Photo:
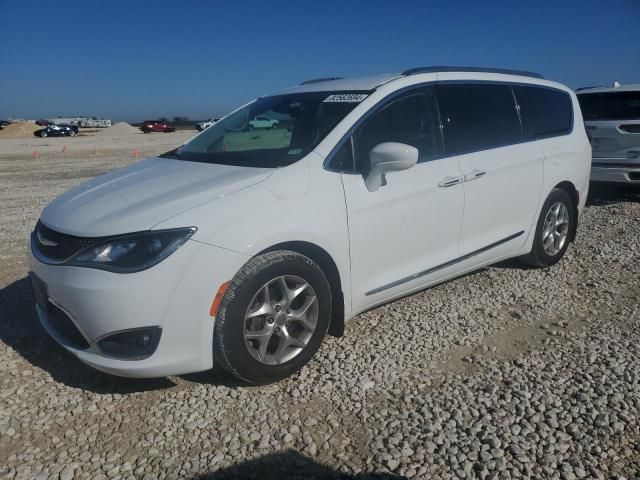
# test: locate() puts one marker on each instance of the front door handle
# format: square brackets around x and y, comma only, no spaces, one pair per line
[474,175]
[449,182]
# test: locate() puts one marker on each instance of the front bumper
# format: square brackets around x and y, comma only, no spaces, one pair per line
[176,295]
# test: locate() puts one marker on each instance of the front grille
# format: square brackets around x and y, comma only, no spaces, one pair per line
[59,246]
[65,327]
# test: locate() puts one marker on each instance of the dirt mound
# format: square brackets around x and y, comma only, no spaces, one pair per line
[19,130]
[120,128]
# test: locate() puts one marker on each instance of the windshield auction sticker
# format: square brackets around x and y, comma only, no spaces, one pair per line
[346,98]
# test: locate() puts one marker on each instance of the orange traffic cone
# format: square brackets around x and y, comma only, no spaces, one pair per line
[136,154]
[35,154]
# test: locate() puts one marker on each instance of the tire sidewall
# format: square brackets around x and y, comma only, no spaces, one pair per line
[556,195]
[229,344]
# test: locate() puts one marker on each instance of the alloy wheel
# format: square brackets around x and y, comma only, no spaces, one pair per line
[556,228]
[280,320]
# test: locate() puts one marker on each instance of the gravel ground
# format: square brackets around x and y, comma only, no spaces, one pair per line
[505,373]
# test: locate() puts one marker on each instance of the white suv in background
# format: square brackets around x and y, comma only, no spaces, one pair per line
[612,120]
[204,125]
[245,250]
[263,122]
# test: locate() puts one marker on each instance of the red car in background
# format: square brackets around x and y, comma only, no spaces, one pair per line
[149,126]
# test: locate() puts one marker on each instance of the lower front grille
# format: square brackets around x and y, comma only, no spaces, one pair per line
[64,326]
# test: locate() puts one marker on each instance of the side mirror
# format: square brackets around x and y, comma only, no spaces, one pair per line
[388,157]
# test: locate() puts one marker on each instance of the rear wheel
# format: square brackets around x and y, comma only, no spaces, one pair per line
[43,134]
[553,230]
[273,317]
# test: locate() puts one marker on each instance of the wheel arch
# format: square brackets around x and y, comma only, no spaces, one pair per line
[571,190]
[330,269]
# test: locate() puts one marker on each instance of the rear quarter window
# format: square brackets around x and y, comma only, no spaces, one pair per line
[545,112]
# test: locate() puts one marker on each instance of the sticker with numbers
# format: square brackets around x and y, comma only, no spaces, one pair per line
[346,98]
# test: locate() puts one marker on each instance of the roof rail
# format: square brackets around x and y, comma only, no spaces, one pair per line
[413,71]
[318,80]
[589,88]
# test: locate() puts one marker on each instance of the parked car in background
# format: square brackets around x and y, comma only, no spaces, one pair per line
[248,256]
[57,131]
[204,125]
[149,126]
[612,120]
[4,123]
[263,122]
[43,122]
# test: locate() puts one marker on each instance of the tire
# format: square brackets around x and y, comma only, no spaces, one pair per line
[274,126]
[43,134]
[251,128]
[72,133]
[239,355]
[541,257]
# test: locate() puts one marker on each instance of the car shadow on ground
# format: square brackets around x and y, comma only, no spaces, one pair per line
[609,193]
[216,377]
[288,465]
[21,330]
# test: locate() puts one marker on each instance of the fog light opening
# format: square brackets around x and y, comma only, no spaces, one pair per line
[135,344]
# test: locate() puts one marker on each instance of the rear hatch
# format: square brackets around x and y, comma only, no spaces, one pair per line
[612,121]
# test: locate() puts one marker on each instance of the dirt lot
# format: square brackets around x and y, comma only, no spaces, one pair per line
[506,373]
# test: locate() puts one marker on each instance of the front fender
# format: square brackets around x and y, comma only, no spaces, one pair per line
[295,204]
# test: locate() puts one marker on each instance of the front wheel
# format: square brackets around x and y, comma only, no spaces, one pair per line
[273,317]
[553,230]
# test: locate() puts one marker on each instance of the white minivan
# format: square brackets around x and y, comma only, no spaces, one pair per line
[244,247]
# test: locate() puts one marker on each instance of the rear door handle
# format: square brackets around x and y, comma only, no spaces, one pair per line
[474,175]
[449,182]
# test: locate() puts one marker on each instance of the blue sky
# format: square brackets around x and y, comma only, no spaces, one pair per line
[142,59]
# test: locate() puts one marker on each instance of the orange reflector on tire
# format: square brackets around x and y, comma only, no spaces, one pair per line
[217,300]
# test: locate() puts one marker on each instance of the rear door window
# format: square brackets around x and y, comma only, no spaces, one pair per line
[477,117]
[545,112]
[610,106]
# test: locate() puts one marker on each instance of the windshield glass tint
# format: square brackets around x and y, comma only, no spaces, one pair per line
[610,106]
[272,131]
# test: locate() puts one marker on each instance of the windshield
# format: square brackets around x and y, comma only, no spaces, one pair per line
[610,106]
[273,131]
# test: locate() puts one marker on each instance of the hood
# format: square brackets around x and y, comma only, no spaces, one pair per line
[143,194]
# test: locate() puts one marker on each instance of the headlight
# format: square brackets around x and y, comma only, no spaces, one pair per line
[132,253]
